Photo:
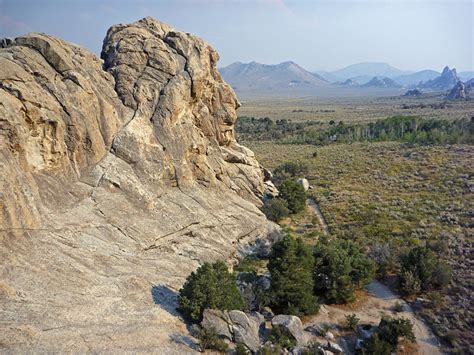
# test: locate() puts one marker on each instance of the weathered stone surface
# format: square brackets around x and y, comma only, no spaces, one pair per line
[217,320]
[116,176]
[245,330]
[292,324]
[236,326]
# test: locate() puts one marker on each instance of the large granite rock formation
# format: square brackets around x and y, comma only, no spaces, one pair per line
[458,92]
[446,81]
[118,178]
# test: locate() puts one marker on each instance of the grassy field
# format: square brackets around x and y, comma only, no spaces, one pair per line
[398,195]
[361,109]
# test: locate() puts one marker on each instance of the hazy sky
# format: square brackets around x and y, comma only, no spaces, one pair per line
[317,34]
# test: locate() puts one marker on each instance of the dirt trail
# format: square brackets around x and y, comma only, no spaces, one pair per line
[380,301]
[314,209]
[427,342]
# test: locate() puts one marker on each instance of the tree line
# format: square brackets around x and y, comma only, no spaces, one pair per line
[408,129]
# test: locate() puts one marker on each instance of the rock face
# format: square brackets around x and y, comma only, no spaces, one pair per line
[118,178]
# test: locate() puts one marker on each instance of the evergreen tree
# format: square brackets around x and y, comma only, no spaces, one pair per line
[340,269]
[290,265]
[294,194]
[211,286]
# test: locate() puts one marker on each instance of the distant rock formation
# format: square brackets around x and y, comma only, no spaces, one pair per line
[413,93]
[348,82]
[446,81]
[118,178]
[458,92]
[378,82]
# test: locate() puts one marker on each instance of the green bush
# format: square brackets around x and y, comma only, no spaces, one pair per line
[423,265]
[290,266]
[281,337]
[410,283]
[241,349]
[391,330]
[385,339]
[340,269]
[352,321]
[208,339]
[376,346]
[294,194]
[288,170]
[269,350]
[276,209]
[210,286]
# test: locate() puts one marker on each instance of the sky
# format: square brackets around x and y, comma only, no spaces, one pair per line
[317,34]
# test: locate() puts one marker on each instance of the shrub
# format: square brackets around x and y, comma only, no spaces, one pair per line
[276,209]
[289,170]
[241,349]
[290,266]
[269,349]
[294,194]
[392,329]
[210,286]
[385,339]
[376,346]
[340,269]
[426,268]
[313,348]
[281,337]
[352,321]
[208,339]
[410,283]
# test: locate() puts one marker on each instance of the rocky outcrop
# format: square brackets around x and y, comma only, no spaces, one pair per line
[458,92]
[118,178]
[446,81]
[381,82]
[413,93]
[235,326]
[292,325]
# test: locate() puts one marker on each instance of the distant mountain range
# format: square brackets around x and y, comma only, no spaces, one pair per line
[257,77]
[364,72]
[290,77]
[416,78]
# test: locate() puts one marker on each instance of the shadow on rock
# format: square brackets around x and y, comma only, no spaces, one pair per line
[184,340]
[166,298]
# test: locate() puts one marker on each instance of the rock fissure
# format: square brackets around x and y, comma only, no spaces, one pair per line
[103,162]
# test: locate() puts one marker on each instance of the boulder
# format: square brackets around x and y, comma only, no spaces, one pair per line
[245,329]
[292,325]
[334,347]
[236,326]
[304,182]
[329,336]
[217,320]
